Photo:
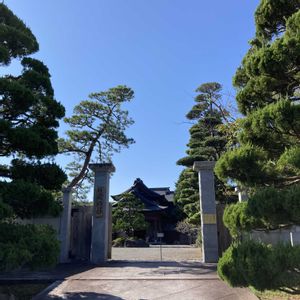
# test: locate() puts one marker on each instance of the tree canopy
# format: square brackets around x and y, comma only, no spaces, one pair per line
[97,131]
[266,159]
[128,215]
[267,85]
[29,118]
[207,142]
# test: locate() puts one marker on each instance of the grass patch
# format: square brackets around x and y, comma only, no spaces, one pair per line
[22,291]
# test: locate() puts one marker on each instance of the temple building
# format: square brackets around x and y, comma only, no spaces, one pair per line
[159,211]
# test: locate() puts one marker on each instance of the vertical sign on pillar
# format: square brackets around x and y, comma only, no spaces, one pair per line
[208,210]
[100,226]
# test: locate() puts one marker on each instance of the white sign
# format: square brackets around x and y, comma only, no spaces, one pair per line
[160,235]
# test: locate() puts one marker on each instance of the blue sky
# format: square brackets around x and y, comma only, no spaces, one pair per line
[162,49]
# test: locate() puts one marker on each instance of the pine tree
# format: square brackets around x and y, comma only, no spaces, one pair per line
[29,116]
[207,142]
[267,85]
[266,160]
[98,130]
[128,215]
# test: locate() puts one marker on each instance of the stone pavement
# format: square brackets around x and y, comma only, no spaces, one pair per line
[169,253]
[146,280]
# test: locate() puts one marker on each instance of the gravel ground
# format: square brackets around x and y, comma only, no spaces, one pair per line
[169,253]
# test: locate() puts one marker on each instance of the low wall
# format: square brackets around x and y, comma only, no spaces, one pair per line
[273,237]
[55,223]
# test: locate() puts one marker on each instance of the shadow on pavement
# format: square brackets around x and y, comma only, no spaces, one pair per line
[60,272]
[165,267]
[157,264]
[82,295]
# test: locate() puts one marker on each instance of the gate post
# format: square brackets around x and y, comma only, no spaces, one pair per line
[65,227]
[207,210]
[100,221]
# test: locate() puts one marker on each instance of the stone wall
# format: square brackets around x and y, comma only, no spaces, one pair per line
[290,236]
[53,222]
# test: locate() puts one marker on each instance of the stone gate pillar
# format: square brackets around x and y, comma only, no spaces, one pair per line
[65,226]
[99,247]
[208,210]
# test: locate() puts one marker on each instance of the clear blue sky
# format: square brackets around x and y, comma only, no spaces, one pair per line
[163,49]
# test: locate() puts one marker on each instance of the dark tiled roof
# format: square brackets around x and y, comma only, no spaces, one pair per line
[152,200]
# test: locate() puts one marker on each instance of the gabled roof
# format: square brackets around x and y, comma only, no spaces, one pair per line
[152,200]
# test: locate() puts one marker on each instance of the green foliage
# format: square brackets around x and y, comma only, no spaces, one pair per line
[289,161]
[267,208]
[29,116]
[266,155]
[262,266]
[97,131]
[48,175]
[128,216]
[33,246]
[187,195]
[16,40]
[28,200]
[244,164]
[237,218]
[268,85]
[207,142]
[271,16]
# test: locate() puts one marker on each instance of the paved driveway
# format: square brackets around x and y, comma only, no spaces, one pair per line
[142,280]
[169,253]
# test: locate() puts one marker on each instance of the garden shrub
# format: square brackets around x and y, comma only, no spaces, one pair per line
[259,265]
[32,246]
[268,208]
[237,218]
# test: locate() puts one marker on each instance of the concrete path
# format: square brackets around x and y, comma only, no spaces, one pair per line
[169,253]
[146,280]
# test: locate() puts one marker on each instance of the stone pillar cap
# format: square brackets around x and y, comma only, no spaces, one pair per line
[105,167]
[203,165]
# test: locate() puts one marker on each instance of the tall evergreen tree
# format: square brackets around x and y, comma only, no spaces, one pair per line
[29,117]
[268,95]
[98,130]
[267,158]
[207,142]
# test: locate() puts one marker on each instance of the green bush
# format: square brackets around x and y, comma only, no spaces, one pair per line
[32,246]
[268,208]
[262,266]
[237,218]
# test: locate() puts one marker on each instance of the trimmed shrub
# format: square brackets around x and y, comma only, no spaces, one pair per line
[262,266]
[32,246]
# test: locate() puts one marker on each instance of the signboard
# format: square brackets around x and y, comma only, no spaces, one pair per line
[99,201]
[160,235]
[209,219]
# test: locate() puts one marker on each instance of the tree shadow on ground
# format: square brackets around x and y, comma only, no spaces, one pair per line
[166,267]
[59,272]
[84,295]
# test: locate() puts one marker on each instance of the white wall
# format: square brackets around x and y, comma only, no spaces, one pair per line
[290,236]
